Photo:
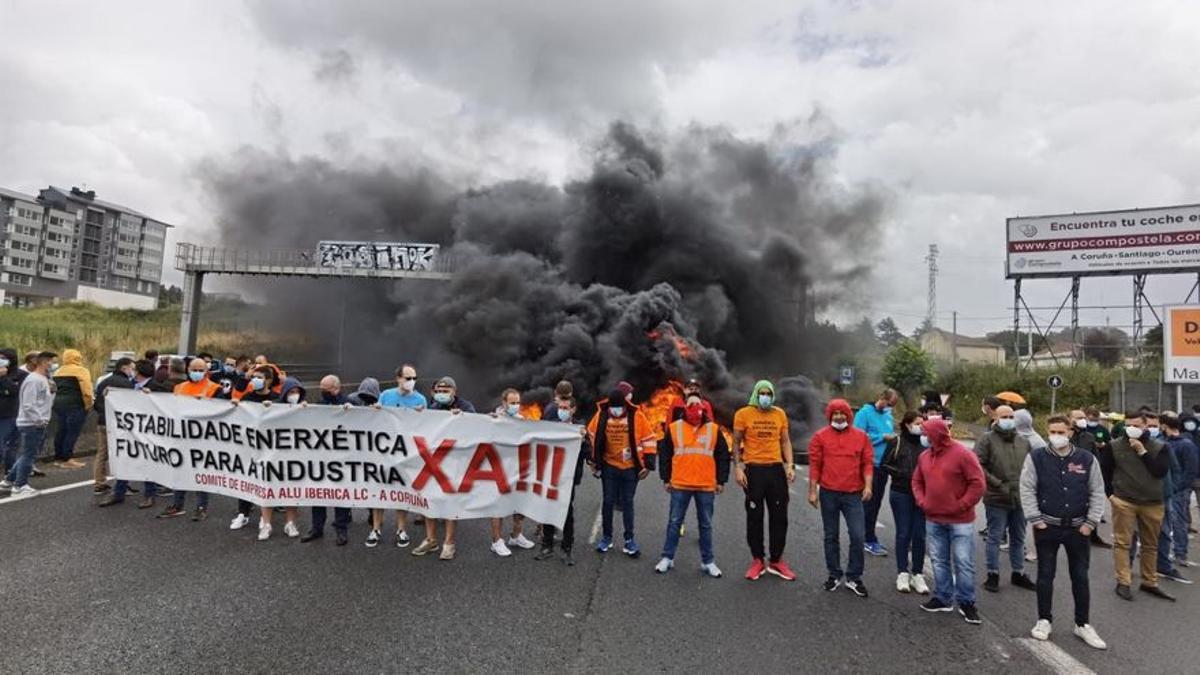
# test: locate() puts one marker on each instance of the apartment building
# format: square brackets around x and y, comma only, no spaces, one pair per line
[69,245]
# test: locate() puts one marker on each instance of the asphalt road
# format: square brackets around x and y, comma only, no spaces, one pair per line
[115,589]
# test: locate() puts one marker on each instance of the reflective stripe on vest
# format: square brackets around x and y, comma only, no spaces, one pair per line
[688,440]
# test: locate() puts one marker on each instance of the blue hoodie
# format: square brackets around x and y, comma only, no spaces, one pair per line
[876,424]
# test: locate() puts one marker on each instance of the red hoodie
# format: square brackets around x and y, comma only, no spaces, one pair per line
[844,460]
[948,482]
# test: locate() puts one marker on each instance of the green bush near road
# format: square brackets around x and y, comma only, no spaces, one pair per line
[1083,385]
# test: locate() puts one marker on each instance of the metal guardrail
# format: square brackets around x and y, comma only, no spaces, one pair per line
[293,262]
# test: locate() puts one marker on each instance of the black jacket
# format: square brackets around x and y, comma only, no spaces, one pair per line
[117,381]
[10,385]
[900,461]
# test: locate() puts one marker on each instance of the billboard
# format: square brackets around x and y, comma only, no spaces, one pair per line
[1138,241]
[374,255]
[1181,344]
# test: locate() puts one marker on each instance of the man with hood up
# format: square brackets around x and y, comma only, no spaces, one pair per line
[947,485]
[841,462]
[11,377]
[367,394]
[1002,453]
[73,396]
[762,452]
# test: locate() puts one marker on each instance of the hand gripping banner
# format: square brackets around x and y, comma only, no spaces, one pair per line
[434,463]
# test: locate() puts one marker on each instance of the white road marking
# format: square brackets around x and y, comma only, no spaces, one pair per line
[48,491]
[1055,657]
[595,529]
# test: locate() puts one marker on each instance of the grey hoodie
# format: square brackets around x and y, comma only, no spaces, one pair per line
[36,401]
[367,394]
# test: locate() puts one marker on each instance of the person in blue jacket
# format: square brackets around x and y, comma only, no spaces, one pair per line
[876,420]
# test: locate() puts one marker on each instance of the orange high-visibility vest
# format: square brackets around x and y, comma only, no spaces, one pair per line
[692,464]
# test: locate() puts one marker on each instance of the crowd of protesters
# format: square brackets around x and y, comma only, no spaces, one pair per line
[1040,494]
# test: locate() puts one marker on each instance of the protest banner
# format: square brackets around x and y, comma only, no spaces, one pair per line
[435,463]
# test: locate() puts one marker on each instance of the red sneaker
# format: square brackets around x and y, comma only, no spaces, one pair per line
[781,570]
[757,569]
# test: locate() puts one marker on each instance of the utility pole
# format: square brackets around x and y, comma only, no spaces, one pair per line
[954,338]
[931,312]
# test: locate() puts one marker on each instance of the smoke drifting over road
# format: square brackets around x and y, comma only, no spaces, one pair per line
[687,256]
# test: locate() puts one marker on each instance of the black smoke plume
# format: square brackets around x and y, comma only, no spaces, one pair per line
[700,255]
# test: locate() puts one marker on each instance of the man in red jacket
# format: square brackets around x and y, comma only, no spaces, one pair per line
[947,485]
[841,461]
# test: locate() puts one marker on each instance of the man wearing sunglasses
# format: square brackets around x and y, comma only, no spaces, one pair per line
[403,395]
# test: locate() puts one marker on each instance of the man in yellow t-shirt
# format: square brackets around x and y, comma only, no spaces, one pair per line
[623,446]
[763,467]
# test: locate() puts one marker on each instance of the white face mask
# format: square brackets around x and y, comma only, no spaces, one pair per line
[915,430]
[293,397]
[840,426]
[1189,426]
[408,385]
[1059,441]
[1081,424]
[1006,424]
[1134,433]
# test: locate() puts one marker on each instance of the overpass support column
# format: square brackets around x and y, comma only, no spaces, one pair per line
[189,317]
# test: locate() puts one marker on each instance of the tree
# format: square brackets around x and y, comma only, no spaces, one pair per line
[1104,345]
[1152,346]
[172,295]
[889,335]
[907,368]
[921,330]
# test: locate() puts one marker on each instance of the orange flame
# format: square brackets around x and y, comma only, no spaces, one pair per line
[658,407]
[531,411]
[681,344]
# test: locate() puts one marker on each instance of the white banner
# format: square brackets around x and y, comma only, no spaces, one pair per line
[434,463]
[1109,242]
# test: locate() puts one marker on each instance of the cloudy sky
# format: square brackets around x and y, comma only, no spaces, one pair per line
[965,112]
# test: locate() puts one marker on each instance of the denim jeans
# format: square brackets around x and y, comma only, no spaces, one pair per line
[618,483]
[32,439]
[1177,519]
[952,550]
[848,505]
[1000,520]
[181,498]
[704,511]
[1079,554]
[122,486]
[910,532]
[70,424]
[878,487]
[10,442]
[341,518]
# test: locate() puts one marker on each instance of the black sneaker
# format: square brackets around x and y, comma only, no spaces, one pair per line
[1156,592]
[1021,581]
[993,582]
[342,538]
[110,501]
[1174,575]
[1123,592]
[544,554]
[832,583]
[935,605]
[199,513]
[857,588]
[970,614]
[567,558]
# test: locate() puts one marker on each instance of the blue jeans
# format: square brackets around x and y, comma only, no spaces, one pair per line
[148,489]
[952,550]
[848,505]
[618,484]
[10,442]
[181,497]
[70,424]
[878,486]
[32,439]
[998,521]
[1177,519]
[910,532]
[704,512]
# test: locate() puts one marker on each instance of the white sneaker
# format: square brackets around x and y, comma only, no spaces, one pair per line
[5,485]
[373,539]
[520,541]
[1041,630]
[1031,555]
[291,530]
[25,490]
[264,531]
[239,521]
[904,583]
[500,549]
[918,584]
[664,565]
[1088,635]
[711,570]
[402,540]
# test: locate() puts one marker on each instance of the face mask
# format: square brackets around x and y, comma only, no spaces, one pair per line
[617,411]
[1190,426]
[564,415]
[915,430]
[408,385]
[887,410]
[294,397]
[764,401]
[195,375]
[53,367]
[443,398]
[3,363]
[229,370]
[1081,424]
[257,383]
[1092,424]
[1006,424]
[840,426]
[934,417]
[513,409]
[1133,432]
[924,441]
[1155,432]
[1059,441]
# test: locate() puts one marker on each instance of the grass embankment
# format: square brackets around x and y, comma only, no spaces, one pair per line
[96,331]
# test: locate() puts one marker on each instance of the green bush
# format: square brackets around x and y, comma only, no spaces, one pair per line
[1083,385]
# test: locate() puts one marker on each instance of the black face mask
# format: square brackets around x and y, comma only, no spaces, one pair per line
[326,397]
